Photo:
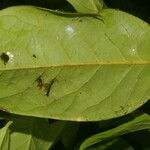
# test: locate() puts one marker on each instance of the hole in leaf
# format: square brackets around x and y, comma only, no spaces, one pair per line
[4,58]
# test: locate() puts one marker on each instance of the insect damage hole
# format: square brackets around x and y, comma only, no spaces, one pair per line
[5,58]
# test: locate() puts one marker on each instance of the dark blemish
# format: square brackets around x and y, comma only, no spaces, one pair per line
[44,87]
[99,18]
[49,87]
[122,108]
[5,58]
[80,20]
[80,93]
[129,65]
[3,110]
[39,82]
[34,55]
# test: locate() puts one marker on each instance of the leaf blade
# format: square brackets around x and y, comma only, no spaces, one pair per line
[90,6]
[72,60]
[138,123]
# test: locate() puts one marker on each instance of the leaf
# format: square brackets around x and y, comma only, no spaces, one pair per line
[88,6]
[139,123]
[111,145]
[4,137]
[32,133]
[140,139]
[52,4]
[72,66]
[112,123]
[69,134]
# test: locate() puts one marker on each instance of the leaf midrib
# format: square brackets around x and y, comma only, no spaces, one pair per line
[77,65]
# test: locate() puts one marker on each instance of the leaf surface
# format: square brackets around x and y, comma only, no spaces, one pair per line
[4,137]
[72,66]
[118,143]
[30,134]
[140,138]
[88,6]
[138,123]
[69,135]
[34,134]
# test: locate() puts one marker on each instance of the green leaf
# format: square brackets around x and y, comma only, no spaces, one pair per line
[69,134]
[4,137]
[32,133]
[72,66]
[88,6]
[118,143]
[139,123]
[140,139]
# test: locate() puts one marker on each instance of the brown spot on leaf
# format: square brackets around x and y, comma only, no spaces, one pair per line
[44,87]
[48,88]
[3,110]
[39,82]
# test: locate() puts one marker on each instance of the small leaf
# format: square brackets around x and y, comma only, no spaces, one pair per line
[88,6]
[32,133]
[118,143]
[5,137]
[139,123]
